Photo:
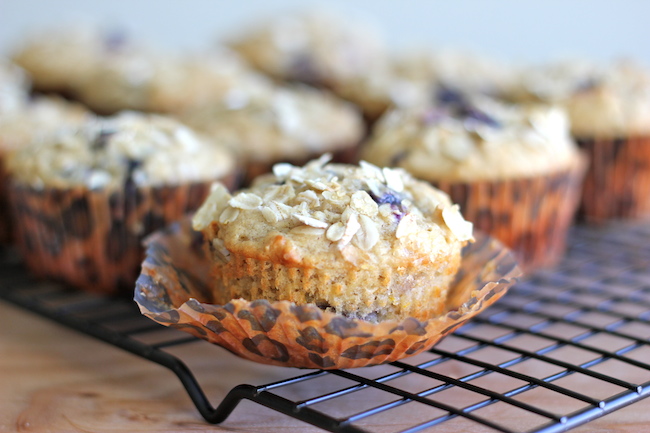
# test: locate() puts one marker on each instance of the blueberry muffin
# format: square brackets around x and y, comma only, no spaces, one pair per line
[463,70]
[609,112]
[316,48]
[360,241]
[514,170]
[409,79]
[29,120]
[382,88]
[168,83]
[290,124]
[58,59]
[82,199]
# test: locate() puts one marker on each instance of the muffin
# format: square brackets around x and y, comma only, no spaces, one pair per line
[58,59]
[316,48]
[29,120]
[410,79]
[290,124]
[457,69]
[83,199]
[514,170]
[363,242]
[167,83]
[609,112]
[380,89]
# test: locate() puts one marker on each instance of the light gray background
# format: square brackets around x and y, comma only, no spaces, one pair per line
[516,30]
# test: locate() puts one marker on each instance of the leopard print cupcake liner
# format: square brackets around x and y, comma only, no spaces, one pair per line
[6,229]
[531,216]
[173,290]
[91,239]
[617,184]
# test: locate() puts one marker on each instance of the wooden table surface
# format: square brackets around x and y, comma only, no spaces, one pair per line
[54,379]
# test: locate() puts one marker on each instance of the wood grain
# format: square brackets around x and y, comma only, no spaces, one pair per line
[56,380]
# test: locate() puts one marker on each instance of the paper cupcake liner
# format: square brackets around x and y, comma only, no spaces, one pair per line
[530,215]
[173,290]
[327,286]
[91,239]
[6,229]
[617,184]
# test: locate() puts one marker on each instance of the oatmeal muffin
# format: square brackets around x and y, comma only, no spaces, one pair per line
[316,48]
[83,199]
[514,170]
[293,124]
[457,69]
[29,120]
[382,88]
[59,59]
[410,79]
[168,83]
[363,242]
[609,112]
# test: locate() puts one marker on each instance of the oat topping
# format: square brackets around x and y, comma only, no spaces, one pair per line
[463,138]
[462,229]
[350,207]
[130,149]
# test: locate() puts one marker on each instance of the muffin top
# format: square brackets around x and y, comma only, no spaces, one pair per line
[59,58]
[604,101]
[455,68]
[315,48]
[37,118]
[323,213]
[112,153]
[284,123]
[14,87]
[615,104]
[381,88]
[468,139]
[410,79]
[167,82]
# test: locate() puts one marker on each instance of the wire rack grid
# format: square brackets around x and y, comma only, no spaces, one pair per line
[560,349]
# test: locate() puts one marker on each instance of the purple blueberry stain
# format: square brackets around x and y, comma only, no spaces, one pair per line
[433,116]
[476,115]
[446,95]
[456,104]
[586,85]
[304,69]
[391,198]
[102,138]
[129,182]
[115,39]
[398,157]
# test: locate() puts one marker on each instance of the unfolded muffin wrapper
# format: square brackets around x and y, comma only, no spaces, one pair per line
[91,239]
[530,215]
[617,185]
[173,290]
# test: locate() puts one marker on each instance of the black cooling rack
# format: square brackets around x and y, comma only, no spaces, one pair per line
[560,349]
